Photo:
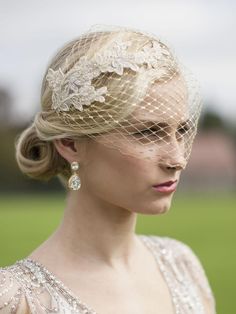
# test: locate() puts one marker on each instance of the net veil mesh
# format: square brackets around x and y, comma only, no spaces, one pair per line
[127,90]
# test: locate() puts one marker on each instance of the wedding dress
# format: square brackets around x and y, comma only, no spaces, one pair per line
[29,287]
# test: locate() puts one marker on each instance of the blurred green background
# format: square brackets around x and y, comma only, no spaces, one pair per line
[206,222]
[202,214]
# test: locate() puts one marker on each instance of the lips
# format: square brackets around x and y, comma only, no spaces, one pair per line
[166,187]
[168,183]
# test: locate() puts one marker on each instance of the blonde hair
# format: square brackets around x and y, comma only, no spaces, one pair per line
[36,154]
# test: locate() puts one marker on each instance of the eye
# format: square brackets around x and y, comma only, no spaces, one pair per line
[146,132]
[183,129]
[154,132]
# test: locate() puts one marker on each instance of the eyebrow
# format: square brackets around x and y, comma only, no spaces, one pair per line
[153,123]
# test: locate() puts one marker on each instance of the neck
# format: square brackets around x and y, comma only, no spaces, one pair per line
[94,231]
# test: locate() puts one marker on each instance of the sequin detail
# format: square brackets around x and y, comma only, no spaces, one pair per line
[44,293]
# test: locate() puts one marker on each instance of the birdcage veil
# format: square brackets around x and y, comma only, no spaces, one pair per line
[127,90]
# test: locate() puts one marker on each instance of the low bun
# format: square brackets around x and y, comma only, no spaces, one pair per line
[37,158]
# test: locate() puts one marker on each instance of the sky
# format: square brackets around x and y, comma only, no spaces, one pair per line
[202,34]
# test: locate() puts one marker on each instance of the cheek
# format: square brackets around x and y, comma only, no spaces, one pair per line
[140,149]
[123,181]
[112,175]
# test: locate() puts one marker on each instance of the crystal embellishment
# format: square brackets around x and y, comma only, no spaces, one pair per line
[74,182]
[45,293]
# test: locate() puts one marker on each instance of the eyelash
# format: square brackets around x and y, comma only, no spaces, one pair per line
[150,132]
[181,131]
[184,130]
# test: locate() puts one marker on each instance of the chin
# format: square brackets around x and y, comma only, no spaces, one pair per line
[157,208]
[157,211]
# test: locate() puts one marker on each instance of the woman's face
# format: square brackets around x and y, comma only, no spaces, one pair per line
[124,172]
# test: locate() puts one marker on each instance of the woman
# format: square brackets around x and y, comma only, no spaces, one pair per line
[117,123]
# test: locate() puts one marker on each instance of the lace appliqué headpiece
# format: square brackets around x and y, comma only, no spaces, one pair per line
[75,88]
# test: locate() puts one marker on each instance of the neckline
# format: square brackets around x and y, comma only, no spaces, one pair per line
[144,239]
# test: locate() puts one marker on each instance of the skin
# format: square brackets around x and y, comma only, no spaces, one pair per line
[96,238]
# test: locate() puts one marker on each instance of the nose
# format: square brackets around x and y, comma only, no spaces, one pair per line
[170,164]
[179,166]
[172,156]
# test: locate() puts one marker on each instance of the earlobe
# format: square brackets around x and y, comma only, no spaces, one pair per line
[67,149]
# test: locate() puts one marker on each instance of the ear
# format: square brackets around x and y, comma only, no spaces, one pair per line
[67,148]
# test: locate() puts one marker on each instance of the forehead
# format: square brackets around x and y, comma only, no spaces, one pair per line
[164,102]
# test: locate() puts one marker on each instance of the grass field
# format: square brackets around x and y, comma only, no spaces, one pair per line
[207,223]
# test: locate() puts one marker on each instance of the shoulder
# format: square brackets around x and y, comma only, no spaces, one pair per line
[187,261]
[12,294]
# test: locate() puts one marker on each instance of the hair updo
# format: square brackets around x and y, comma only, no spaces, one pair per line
[36,154]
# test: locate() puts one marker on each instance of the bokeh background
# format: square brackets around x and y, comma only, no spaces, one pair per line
[202,35]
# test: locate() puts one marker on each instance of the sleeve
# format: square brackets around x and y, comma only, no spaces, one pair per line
[195,268]
[12,297]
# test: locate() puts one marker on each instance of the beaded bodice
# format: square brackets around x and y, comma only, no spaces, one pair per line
[30,286]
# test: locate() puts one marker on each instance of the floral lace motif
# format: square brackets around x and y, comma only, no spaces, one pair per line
[75,87]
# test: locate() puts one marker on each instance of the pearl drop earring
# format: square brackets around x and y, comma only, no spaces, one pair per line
[74,182]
